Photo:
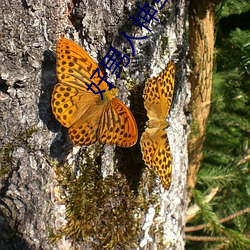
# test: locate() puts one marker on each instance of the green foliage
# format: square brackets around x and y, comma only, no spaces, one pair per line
[207,211]
[218,176]
[226,153]
[230,7]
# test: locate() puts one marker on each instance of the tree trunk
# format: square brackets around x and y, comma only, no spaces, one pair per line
[201,40]
[54,195]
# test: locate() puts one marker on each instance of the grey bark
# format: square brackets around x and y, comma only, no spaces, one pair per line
[32,141]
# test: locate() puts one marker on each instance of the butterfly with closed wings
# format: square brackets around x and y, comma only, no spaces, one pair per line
[158,93]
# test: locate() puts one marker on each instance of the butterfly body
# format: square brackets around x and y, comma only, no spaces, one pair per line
[158,93]
[157,123]
[89,117]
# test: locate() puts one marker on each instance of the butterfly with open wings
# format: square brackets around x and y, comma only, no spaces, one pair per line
[88,118]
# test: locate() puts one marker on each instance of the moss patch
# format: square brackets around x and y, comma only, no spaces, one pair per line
[102,212]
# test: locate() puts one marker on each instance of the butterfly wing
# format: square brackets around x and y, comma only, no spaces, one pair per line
[70,98]
[75,67]
[158,93]
[85,130]
[69,104]
[156,153]
[117,125]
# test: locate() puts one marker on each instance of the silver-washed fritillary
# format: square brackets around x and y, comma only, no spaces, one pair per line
[158,93]
[88,117]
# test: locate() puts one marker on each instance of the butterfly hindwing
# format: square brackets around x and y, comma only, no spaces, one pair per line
[118,125]
[156,154]
[69,103]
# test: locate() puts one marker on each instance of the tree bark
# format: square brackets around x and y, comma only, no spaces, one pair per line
[46,184]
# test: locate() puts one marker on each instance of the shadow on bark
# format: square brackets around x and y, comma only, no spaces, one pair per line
[131,163]
[61,145]
[9,239]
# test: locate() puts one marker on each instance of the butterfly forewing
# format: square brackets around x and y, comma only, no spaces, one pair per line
[158,92]
[166,87]
[75,66]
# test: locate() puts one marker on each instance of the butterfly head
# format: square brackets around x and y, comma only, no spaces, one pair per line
[109,95]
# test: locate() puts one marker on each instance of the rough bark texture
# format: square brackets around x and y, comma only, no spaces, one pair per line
[32,142]
[201,40]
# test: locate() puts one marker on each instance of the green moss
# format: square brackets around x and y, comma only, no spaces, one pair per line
[129,83]
[123,76]
[164,45]
[5,160]
[105,212]
[28,133]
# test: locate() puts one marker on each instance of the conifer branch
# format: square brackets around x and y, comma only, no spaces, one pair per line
[205,238]
[194,209]
[245,159]
[230,217]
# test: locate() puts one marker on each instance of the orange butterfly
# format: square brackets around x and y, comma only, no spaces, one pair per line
[158,93]
[88,117]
